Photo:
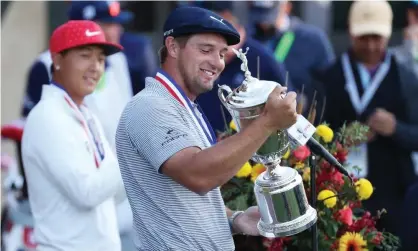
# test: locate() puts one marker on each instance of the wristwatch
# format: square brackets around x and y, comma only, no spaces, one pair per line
[231,221]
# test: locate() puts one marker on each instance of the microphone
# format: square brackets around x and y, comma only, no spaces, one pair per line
[301,134]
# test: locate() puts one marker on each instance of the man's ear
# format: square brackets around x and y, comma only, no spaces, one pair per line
[172,47]
[56,60]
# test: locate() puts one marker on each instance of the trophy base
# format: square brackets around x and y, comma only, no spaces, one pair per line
[289,228]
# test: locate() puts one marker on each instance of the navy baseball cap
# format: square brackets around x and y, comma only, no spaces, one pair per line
[264,11]
[103,11]
[189,20]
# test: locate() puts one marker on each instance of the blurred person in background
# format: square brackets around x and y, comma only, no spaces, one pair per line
[72,173]
[367,84]
[115,87]
[232,75]
[407,53]
[303,48]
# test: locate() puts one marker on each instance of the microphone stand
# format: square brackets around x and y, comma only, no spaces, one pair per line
[314,228]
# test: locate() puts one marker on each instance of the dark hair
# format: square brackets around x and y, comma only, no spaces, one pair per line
[163,53]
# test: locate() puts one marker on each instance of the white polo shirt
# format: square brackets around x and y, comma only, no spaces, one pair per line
[72,198]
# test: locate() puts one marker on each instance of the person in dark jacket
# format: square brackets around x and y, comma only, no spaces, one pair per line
[303,48]
[367,84]
[269,68]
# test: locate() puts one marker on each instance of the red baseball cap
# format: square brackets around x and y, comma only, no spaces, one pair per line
[76,33]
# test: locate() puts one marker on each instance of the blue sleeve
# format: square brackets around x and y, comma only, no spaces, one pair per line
[142,60]
[325,51]
[38,76]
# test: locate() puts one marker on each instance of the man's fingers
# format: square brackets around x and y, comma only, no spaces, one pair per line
[279,90]
[291,96]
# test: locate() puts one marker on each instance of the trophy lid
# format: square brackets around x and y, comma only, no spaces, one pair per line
[252,91]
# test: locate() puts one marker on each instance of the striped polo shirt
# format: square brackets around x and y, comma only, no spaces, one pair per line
[167,216]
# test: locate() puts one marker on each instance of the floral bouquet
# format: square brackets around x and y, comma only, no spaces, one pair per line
[343,224]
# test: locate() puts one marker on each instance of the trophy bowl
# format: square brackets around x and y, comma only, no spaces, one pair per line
[279,190]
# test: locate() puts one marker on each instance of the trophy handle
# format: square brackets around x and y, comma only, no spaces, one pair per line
[221,95]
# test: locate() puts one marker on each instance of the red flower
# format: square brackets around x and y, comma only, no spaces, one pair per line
[345,216]
[377,238]
[340,153]
[330,176]
[341,156]
[301,153]
[278,244]
[366,221]
[325,164]
[335,245]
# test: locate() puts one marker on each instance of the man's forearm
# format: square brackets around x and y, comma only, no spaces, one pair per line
[221,162]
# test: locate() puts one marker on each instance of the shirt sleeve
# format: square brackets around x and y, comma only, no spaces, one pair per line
[324,50]
[69,164]
[158,131]
[406,132]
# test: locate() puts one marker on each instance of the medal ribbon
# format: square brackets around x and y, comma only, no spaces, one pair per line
[181,97]
[361,103]
[89,127]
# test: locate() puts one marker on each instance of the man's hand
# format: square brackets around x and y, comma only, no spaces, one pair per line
[246,222]
[280,109]
[382,122]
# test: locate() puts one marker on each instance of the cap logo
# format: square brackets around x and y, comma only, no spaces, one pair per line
[168,32]
[92,33]
[89,12]
[219,20]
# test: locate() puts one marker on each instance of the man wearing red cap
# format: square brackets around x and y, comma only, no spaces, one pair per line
[72,174]
[124,75]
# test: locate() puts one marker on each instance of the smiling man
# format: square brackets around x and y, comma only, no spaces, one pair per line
[72,174]
[170,162]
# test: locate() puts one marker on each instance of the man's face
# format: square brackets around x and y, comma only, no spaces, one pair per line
[369,48]
[83,68]
[112,31]
[201,61]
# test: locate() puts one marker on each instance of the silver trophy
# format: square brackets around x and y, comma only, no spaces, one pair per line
[279,190]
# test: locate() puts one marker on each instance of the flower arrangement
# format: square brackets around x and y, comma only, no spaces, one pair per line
[343,224]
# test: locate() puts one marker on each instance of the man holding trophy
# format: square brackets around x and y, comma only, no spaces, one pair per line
[171,164]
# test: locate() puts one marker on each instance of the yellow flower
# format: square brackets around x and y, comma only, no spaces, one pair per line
[286,155]
[352,241]
[306,174]
[245,171]
[325,133]
[257,170]
[299,165]
[364,189]
[325,195]
[232,125]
